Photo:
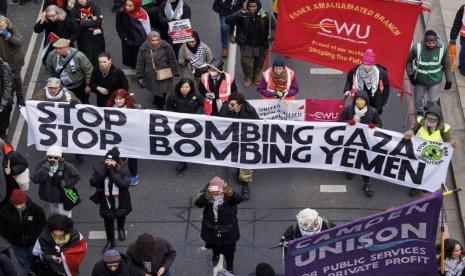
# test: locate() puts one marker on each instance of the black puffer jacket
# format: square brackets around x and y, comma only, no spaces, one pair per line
[247,112]
[192,103]
[371,116]
[226,7]
[22,229]
[121,180]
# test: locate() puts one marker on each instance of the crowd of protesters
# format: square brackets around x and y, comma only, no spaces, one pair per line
[76,64]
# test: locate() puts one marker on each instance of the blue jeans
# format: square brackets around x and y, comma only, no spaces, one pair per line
[462,55]
[24,256]
[225,31]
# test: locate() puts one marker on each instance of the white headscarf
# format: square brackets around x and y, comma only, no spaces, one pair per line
[177,13]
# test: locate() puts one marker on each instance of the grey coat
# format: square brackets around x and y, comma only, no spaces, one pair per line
[163,57]
[10,49]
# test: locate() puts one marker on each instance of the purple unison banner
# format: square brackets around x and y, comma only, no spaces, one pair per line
[399,241]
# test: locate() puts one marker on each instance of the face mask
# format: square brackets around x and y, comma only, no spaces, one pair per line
[52,162]
[214,74]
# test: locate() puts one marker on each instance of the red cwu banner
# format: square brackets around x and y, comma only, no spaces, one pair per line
[336,33]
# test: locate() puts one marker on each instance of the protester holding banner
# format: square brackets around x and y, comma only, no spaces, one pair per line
[185,100]
[454,258]
[370,77]
[237,107]
[132,26]
[431,128]
[52,175]
[427,62]
[195,55]
[111,179]
[121,99]
[172,10]
[220,226]
[459,28]
[54,92]
[225,8]
[60,249]
[6,97]
[309,222]
[252,37]
[216,86]
[89,17]
[22,222]
[361,112]
[54,22]
[156,67]
[278,82]
[10,51]
[107,79]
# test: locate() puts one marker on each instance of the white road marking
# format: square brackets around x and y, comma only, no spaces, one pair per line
[333,189]
[30,47]
[325,71]
[232,57]
[100,235]
[129,72]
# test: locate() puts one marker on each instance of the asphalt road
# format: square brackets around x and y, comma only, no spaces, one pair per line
[163,201]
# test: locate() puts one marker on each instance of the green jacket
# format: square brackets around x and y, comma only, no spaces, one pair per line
[40,95]
[78,72]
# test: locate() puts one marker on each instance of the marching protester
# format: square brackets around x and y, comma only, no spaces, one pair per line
[54,92]
[121,99]
[431,128]
[52,174]
[72,67]
[55,23]
[172,10]
[111,178]
[220,227]
[151,255]
[252,37]
[264,269]
[107,79]
[370,77]
[309,222]
[427,62]
[132,26]
[195,55]
[6,266]
[10,51]
[60,248]
[224,8]
[361,112]
[184,100]
[22,222]
[454,258]
[459,28]
[215,86]
[6,97]
[237,107]
[278,82]
[152,7]
[89,17]
[113,263]
[156,67]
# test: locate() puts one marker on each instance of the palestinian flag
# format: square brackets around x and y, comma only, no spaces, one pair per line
[52,37]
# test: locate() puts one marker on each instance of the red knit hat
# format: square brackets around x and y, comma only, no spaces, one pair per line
[18,197]
[369,57]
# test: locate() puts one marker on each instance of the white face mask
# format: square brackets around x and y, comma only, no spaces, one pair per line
[431,124]
[214,74]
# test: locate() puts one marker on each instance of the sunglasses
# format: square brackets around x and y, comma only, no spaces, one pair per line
[53,157]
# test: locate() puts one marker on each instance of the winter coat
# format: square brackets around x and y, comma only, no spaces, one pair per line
[163,21]
[132,35]
[41,95]
[183,59]
[192,103]
[113,81]
[18,164]
[122,180]
[380,98]
[247,112]
[6,266]
[10,48]
[162,255]
[78,75]
[252,30]
[91,40]
[443,127]
[371,116]
[50,186]
[124,268]
[63,28]
[225,8]
[163,57]
[457,25]
[293,231]
[227,219]
[22,229]
[6,84]
[262,87]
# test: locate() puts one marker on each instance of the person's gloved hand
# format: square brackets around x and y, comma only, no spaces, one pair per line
[371,125]
[210,96]
[351,122]
[452,41]
[448,85]
[279,94]
[20,101]
[5,33]
[412,79]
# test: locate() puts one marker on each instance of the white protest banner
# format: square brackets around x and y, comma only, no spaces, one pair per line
[180,31]
[276,109]
[252,144]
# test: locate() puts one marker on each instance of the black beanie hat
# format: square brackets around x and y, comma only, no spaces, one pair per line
[113,154]
[279,62]
[264,269]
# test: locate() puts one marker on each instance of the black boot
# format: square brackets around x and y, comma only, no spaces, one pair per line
[245,189]
[181,167]
[349,176]
[108,246]
[367,189]
[79,158]
[121,234]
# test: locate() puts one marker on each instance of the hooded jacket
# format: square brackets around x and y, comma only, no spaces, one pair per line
[227,7]
[443,127]
[160,253]
[192,103]
[371,116]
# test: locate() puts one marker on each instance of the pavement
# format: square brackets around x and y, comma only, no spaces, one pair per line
[163,201]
